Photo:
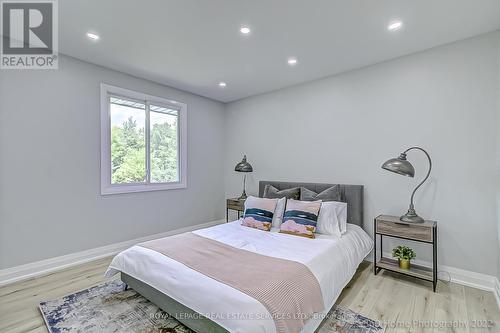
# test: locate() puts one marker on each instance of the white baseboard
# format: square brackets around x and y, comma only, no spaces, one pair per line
[468,278]
[460,276]
[42,267]
[497,291]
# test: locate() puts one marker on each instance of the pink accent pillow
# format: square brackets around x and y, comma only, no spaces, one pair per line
[259,213]
[300,218]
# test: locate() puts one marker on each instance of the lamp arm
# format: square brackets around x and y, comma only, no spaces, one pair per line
[245,183]
[426,177]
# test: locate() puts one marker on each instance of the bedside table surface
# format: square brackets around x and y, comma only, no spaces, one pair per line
[235,200]
[395,219]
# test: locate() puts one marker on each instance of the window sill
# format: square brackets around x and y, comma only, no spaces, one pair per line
[120,189]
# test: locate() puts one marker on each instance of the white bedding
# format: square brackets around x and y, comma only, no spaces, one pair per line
[332,260]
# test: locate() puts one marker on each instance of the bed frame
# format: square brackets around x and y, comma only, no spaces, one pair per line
[352,194]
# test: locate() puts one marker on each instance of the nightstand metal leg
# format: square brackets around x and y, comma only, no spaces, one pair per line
[375,247]
[434,258]
[381,247]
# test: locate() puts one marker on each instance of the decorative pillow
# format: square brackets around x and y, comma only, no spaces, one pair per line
[330,194]
[259,213]
[300,218]
[272,192]
[331,216]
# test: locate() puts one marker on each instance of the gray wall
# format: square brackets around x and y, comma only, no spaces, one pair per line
[50,202]
[342,128]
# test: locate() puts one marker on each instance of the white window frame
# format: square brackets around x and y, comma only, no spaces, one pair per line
[106,186]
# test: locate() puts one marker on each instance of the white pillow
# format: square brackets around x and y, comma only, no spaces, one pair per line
[278,212]
[343,218]
[332,219]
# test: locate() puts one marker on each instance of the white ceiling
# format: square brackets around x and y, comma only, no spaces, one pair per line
[194,44]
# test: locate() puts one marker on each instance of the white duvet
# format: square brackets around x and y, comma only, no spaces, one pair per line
[332,260]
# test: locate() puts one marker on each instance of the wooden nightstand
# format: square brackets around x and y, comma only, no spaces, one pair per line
[234,204]
[391,226]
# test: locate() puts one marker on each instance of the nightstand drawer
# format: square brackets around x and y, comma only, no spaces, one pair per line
[235,207]
[235,204]
[410,231]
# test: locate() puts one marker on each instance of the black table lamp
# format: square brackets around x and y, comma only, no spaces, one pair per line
[245,167]
[402,166]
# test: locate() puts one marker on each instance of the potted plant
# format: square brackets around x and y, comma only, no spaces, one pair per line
[404,255]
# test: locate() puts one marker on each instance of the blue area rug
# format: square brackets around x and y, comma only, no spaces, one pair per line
[108,308]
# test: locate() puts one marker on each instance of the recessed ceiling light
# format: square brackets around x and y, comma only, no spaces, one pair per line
[292,61]
[245,30]
[92,36]
[222,84]
[395,25]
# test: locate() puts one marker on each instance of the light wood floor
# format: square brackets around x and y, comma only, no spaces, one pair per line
[386,297]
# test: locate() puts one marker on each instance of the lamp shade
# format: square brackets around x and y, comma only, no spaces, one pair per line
[399,165]
[243,166]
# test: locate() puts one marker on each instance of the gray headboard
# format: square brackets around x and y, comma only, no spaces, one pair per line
[352,194]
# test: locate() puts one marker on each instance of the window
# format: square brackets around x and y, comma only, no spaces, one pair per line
[143,142]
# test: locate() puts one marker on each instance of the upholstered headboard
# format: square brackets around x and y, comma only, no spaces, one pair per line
[351,194]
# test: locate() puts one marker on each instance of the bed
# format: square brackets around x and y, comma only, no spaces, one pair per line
[207,305]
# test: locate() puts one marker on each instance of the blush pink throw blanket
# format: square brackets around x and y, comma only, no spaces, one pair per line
[288,289]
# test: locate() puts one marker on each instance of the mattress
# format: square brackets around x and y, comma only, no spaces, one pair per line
[333,261]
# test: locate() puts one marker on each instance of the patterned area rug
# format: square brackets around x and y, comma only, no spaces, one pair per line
[342,320]
[108,308]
